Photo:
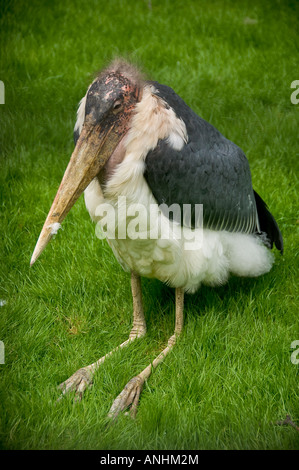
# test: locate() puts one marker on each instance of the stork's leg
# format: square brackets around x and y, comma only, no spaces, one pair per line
[81,379]
[130,394]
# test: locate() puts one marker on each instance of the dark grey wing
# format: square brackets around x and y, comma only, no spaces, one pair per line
[208,170]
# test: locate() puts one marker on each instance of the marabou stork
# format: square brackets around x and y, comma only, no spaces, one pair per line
[137,143]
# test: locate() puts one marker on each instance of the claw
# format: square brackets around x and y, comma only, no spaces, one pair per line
[78,382]
[128,397]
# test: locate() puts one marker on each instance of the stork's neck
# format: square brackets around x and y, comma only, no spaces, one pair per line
[153,120]
[116,158]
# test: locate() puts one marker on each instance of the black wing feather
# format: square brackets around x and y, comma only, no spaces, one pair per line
[268,224]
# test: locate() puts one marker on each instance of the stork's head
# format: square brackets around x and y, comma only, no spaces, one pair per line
[109,105]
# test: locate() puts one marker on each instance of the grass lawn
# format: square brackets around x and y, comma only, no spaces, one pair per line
[230,377]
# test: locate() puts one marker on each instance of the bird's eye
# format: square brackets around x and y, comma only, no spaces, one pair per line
[117,105]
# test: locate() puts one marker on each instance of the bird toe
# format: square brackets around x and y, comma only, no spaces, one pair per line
[129,397]
[78,383]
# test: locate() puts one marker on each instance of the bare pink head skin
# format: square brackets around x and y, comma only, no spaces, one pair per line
[110,104]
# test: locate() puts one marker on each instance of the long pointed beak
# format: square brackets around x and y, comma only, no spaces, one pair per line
[93,149]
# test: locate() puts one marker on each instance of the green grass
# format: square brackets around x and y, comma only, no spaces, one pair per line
[230,378]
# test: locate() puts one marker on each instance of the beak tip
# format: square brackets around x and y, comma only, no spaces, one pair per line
[33,258]
[44,238]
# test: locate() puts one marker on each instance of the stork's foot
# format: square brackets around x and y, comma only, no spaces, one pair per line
[129,397]
[78,383]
